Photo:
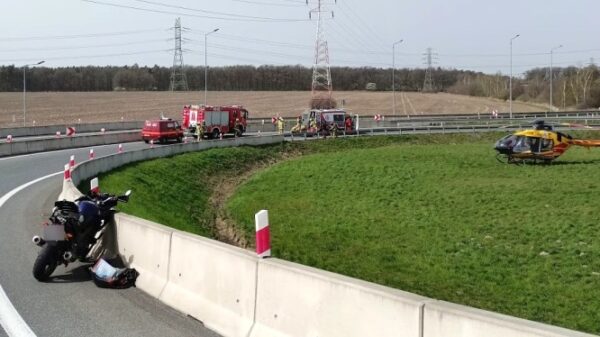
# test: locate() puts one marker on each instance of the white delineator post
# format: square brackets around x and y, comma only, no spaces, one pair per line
[94,186]
[57,134]
[263,235]
[103,130]
[9,139]
[120,149]
[151,143]
[72,161]
[91,154]
[67,172]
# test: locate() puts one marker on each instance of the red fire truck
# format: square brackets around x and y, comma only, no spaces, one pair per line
[230,119]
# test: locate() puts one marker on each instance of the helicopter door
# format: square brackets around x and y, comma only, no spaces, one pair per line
[546,145]
[535,144]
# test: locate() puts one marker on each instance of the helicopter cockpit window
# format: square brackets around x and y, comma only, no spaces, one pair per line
[522,144]
[507,141]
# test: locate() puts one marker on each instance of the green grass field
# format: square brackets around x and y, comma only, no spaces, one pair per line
[433,215]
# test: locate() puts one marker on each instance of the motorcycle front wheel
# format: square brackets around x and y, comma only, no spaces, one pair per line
[45,263]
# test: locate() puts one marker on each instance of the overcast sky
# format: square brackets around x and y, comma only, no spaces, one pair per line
[464,34]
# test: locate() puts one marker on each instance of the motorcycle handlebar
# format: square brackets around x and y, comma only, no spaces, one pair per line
[105,199]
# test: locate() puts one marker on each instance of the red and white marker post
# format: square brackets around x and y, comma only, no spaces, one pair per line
[91,156]
[72,161]
[94,186]
[263,235]
[67,172]
[70,131]
[120,148]
[9,139]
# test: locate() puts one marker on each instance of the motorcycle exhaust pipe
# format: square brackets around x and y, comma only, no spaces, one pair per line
[38,240]
[67,256]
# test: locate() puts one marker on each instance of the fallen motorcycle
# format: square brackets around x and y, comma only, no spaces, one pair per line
[73,230]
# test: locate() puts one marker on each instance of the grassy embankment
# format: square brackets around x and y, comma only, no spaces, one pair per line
[434,215]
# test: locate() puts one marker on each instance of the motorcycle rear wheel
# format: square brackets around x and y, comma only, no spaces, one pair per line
[45,263]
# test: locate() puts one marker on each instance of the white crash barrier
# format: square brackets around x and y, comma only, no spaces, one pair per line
[45,130]
[453,320]
[145,246]
[212,282]
[295,300]
[51,144]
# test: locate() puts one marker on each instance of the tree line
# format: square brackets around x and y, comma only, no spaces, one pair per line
[572,86]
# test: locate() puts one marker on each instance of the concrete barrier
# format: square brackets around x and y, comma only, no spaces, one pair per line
[453,320]
[212,282]
[53,144]
[145,246]
[45,130]
[295,300]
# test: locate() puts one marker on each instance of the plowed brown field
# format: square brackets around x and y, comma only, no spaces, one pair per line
[69,107]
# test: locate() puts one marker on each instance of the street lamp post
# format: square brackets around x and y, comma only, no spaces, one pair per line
[25,88]
[393,73]
[511,76]
[551,76]
[206,63]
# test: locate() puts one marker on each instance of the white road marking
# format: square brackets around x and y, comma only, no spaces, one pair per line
[10,320]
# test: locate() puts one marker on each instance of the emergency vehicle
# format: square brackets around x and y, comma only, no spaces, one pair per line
[325,118]
[162,131]
[216,120]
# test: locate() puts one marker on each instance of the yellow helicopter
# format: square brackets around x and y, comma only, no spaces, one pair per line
[541,143]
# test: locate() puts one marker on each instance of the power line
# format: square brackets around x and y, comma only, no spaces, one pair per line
[300,3]
[87,56]
[523,54]
[231,17]
[78,36]
[359,19]
[81,47]
[205,11]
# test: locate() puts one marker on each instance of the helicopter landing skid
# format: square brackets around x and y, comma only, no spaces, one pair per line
[512,160]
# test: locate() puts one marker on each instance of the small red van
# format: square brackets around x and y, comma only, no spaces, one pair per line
[162,131]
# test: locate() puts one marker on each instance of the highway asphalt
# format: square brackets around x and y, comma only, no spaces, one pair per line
[69,305]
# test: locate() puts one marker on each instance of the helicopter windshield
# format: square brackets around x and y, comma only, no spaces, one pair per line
[533,144]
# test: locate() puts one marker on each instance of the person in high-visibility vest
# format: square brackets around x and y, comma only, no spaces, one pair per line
[298,127]
[200,130]
[280,125]
[334,129]
[313,124]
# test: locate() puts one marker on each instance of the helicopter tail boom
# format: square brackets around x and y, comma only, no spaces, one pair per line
[585,143]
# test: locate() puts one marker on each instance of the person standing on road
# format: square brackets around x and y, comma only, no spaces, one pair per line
[313,124]
[200,131]
[334,129]
[280,125]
